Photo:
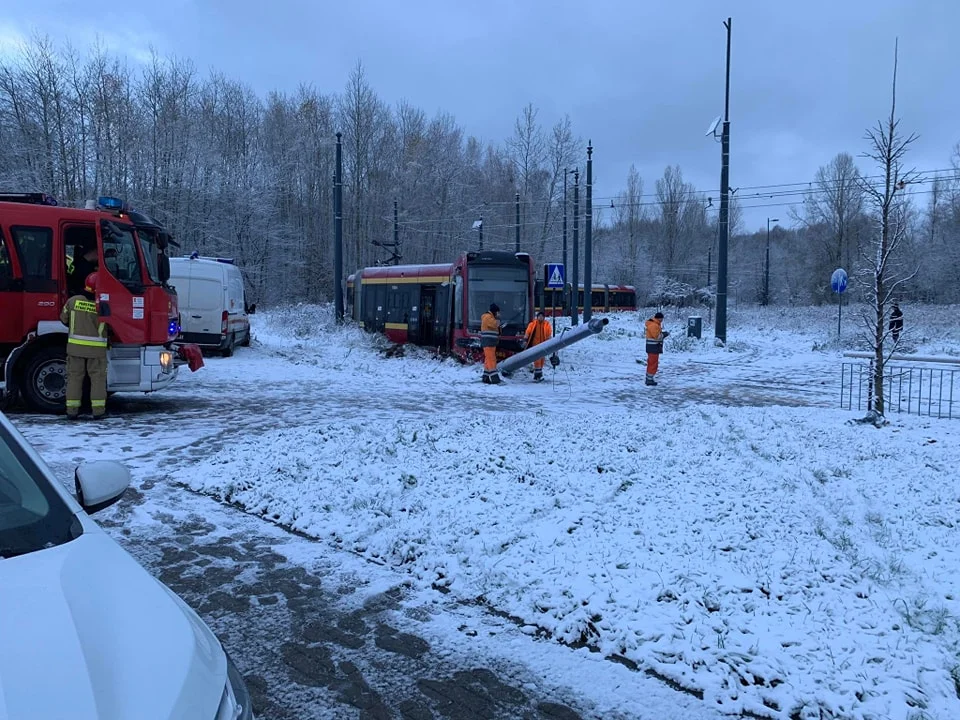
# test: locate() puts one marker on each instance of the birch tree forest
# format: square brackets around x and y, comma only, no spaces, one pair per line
[235,174]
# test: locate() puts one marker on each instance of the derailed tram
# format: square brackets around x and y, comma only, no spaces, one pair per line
[440,306]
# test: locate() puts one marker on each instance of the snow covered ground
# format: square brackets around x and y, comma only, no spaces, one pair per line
[730,531]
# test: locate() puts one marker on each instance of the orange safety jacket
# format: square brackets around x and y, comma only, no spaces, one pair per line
[654,336]
[538,331]
[489,330]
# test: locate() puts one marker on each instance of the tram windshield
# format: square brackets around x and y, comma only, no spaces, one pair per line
[508,287]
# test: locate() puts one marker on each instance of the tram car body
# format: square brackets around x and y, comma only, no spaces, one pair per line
[604,298]
[440,305]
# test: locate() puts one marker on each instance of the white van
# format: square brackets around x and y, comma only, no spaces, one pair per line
[213,311]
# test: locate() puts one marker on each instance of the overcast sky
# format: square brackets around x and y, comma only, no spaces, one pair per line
[641,78]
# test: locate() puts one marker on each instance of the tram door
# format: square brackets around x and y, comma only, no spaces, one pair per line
[442,316]
[428,310]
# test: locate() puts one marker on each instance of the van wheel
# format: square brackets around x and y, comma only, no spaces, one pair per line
[228,350]
[45,380]
[246,340]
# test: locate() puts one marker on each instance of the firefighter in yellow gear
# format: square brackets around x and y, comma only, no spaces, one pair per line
[489,339]
[538,331]
[86,351]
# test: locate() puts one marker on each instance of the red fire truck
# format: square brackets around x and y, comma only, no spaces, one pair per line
[39,240]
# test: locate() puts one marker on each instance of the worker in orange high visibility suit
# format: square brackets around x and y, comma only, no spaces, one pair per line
[489,338]
[655,335]
[538,331]
[86,351]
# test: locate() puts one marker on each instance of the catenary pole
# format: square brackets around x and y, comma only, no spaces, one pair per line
[720,329]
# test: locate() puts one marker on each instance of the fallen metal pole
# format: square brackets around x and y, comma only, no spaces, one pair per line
[568,337]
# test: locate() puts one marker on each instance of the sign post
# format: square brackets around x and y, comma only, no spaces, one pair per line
[838,283]
[553,277]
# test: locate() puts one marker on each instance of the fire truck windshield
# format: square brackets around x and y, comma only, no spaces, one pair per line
[120,253]
[508,287]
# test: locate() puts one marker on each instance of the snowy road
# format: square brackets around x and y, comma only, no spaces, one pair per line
[322,632]
[317,633]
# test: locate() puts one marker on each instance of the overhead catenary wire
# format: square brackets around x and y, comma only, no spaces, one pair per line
[805,191]
[925,176]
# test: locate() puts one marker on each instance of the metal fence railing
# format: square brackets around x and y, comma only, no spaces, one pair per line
[912,389]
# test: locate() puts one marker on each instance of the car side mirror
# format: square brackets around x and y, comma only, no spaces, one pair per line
[100,483]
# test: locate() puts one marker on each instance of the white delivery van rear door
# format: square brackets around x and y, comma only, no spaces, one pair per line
[206,308]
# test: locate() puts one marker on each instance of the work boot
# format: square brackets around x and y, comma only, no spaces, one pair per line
[650,380]
[486,379]
[538,376]
[494,379]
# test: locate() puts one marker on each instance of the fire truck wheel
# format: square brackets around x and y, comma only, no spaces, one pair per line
[45,380]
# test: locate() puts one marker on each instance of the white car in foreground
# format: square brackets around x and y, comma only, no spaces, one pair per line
[85,632]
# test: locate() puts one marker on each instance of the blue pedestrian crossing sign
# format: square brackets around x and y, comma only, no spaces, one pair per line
[553,272]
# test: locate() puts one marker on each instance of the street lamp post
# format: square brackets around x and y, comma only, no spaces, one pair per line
[766,272]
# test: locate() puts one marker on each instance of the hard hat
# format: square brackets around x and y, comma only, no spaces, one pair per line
[494,308]
[90,284]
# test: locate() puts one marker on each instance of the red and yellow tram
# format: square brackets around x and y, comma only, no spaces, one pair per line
[604,298]
[439,306]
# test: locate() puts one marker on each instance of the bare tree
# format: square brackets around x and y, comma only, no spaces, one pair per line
[834,210]
[629,214]
[528,151]
[680,216]
[562,148]
[884,273]
[361,114]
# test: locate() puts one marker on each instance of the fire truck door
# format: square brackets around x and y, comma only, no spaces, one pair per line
[11,297]
[37,284]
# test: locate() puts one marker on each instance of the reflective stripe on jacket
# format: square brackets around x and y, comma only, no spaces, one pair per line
[87,337]
[489,330]
[654,336]
[538,331]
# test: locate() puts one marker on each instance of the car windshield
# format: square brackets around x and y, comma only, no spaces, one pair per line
[148,245]
[507,287]
[32,515]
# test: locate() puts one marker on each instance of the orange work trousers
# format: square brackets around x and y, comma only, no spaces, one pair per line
[489,359]
[653,363]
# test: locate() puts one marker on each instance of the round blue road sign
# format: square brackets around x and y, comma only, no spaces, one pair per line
[838,281]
